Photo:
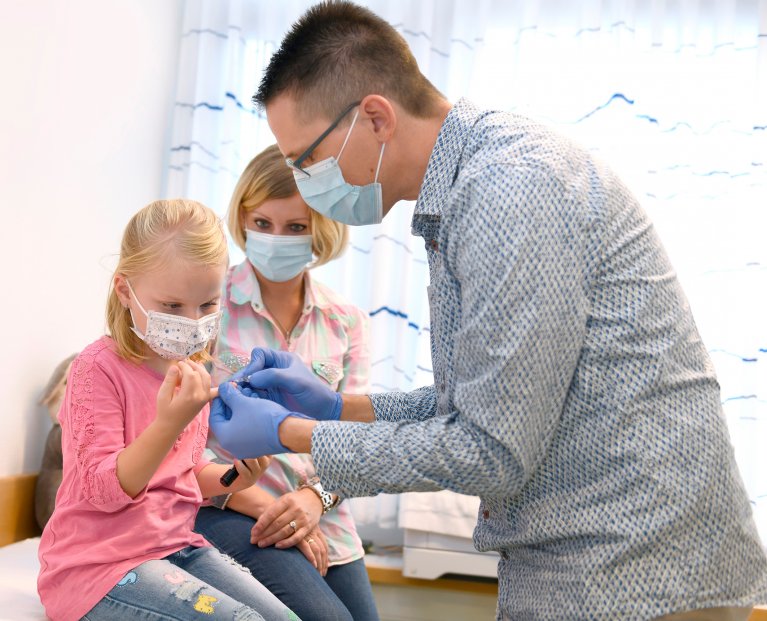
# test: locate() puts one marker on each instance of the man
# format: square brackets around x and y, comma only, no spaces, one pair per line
[572,391]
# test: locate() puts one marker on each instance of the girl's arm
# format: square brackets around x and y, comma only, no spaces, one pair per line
[209,478]
[183,393]
[251,501]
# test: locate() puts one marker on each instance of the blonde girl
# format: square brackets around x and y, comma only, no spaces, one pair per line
[134,424]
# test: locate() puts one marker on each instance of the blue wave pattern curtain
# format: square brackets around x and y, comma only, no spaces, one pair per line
[673,95]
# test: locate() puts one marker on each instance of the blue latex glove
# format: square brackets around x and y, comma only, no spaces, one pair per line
[245,425]
[283,378]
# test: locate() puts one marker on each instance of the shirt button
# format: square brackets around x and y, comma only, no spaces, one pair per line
[486,514]
[434,244]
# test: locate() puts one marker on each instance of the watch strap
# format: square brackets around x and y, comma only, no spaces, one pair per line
[326,498]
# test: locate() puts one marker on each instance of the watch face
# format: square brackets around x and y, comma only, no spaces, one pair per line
[327,500]
[325,497]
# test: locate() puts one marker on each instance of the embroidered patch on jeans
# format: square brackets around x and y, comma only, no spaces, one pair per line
[205,603]
[130,578]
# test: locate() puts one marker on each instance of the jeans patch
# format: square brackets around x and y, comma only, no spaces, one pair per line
[204,604]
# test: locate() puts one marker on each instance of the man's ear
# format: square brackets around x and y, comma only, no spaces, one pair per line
[120,285]
[382,115]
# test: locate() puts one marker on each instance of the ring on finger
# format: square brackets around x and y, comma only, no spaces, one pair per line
[310,540]
[293,525]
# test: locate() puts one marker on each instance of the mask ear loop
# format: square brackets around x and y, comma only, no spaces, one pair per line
[135,297]
[380,158]
[134,327]
[348,134]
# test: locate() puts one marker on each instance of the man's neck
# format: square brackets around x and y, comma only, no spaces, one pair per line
[421,137]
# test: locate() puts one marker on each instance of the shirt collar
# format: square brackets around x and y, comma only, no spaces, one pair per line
[445,158]
[245,289]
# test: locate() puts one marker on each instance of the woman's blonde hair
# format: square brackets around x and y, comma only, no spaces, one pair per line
[159,232]
[267,177]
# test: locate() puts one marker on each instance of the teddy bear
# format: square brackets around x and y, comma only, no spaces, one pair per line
[51,469]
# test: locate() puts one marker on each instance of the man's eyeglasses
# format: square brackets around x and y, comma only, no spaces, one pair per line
[296,163]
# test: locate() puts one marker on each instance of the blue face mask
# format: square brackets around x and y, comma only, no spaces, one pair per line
[278,257]
[325,190]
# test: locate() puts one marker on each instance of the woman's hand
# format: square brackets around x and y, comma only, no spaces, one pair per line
[301,508]
[315,548]
[183,393]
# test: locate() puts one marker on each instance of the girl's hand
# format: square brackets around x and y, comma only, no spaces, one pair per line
[315,548]
[302,507]
[183,393]
[251,469]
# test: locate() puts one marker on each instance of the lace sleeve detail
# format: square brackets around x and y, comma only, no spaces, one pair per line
[202,435]
[95,452]
[81,402]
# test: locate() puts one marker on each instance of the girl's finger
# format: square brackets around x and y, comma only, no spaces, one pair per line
[168,386]
[203,373]
[192,377]
[242,468]
[254,468]
[185,371]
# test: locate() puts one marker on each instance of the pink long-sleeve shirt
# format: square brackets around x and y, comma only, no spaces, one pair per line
[98,533]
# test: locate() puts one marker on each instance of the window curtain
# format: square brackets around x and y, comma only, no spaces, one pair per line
[672,94]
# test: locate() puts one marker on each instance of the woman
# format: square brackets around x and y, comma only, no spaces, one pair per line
[308,552]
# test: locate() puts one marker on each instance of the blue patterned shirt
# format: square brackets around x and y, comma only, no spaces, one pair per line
[572,391]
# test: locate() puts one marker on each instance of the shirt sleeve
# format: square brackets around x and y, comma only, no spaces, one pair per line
[356,379]
[418,404]
[202,463]
[514,250]
[95,424]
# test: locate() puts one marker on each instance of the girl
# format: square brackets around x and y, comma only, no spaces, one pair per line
[134,421]
[303,535]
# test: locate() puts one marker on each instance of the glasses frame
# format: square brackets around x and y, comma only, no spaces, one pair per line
[296,163]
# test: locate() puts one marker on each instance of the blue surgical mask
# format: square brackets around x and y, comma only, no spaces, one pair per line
[278,257]
[326,191]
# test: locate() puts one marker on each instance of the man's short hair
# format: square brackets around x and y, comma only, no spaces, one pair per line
[338,53]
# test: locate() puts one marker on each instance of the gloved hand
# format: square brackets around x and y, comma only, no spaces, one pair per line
[283,378]
[245,425]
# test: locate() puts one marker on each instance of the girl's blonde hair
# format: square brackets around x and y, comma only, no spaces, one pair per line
[267,177]
[159,232]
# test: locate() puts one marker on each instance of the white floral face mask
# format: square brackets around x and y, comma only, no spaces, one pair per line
[173,337]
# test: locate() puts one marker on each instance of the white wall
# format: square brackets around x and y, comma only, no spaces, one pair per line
[87,93]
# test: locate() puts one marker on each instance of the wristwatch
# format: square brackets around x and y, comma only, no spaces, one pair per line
[328,500]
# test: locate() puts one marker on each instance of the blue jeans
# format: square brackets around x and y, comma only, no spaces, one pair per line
[186,583]
[344,594]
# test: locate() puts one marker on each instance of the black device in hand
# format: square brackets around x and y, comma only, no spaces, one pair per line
[229,477]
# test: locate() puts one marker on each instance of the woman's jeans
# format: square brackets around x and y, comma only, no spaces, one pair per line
[185,584]
[344,594]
